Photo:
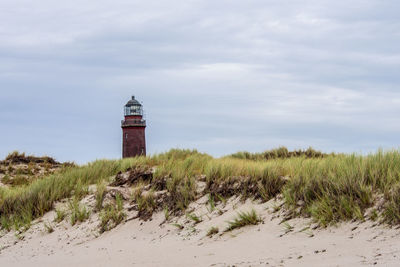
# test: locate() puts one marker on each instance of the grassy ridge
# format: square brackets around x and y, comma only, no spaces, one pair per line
[281,152]
[20,205]
[329,188]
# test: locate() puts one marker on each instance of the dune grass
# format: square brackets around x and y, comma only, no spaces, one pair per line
[79,213]
[60,215]
[196,219]
[327,187]
[281,152]
[100,193]
[112,215]
[243,219]
[212,231]
[20,205]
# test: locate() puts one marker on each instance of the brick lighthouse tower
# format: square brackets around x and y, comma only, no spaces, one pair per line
[133,127]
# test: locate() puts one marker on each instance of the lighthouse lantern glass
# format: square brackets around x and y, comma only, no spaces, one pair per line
[136,110]
[133,110]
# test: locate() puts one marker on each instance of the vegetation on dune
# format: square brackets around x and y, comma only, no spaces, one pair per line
[79,213]
[280,153]
[20,205]
[327,187]
[243,219]
[112,215]
[100,194]
[18,169]
[212,231]
[146,203]
[60,215]
[16,157]
[196,219]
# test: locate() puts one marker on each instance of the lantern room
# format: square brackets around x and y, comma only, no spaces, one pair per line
[133,108]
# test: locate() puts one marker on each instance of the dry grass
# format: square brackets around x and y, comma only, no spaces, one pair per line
[212,231]
[20,169]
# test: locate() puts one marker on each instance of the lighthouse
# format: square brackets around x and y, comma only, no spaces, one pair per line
[133,130]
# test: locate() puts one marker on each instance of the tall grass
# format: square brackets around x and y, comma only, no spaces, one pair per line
[281,152]
[79,213]
[112,215]
[20,205]
[329,188]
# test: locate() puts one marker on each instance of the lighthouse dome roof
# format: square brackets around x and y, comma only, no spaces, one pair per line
[133,102]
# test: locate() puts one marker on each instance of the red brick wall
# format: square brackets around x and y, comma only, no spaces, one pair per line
[131,117]
[133,141]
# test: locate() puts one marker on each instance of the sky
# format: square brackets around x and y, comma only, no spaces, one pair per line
[219,76]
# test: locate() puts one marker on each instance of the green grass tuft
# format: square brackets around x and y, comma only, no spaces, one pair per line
[60,215]
[112,215]
[243,219]
[196,219]
[49,228]
[79,213]
[100,194]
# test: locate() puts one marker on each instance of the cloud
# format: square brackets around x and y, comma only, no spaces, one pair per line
[220,76]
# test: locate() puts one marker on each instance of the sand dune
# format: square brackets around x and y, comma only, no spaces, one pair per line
[297,242]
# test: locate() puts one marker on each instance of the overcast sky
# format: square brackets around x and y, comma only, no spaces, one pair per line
[220,76]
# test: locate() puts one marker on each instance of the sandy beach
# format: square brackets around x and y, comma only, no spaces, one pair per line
[297,242]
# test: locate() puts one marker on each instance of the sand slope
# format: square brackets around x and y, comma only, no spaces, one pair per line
[159,243]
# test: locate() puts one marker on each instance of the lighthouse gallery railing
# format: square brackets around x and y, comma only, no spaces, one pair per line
[125,123]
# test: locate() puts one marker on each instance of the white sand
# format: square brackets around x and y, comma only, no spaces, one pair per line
[137,243]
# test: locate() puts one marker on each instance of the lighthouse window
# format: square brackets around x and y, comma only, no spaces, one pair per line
[136,110]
